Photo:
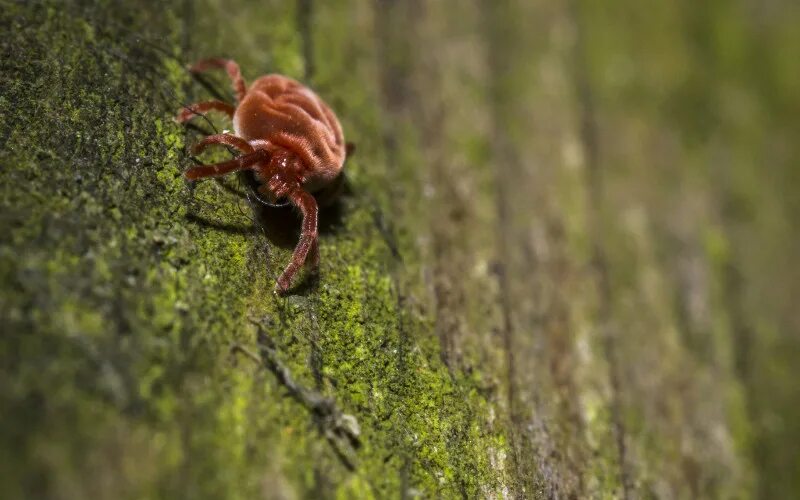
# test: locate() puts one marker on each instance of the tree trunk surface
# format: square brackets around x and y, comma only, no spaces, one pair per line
[565,264]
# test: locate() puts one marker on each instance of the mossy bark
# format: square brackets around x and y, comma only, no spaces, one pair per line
[564,264]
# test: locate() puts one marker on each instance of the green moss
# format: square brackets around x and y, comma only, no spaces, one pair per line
[125,289]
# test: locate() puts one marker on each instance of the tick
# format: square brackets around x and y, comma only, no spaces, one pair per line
[290,140]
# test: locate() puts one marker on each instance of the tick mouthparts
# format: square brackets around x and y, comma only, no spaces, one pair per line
[278,203]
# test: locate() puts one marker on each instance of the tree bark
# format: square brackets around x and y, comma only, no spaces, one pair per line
[564,265]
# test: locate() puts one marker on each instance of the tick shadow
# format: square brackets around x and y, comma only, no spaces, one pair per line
[280,222]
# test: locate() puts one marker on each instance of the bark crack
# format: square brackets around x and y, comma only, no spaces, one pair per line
[594,185]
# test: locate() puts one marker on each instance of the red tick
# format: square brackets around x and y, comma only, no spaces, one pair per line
[289,138]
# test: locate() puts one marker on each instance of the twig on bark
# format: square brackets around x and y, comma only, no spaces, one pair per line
[340,429]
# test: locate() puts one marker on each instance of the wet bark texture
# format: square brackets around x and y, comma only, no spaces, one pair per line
[564,266]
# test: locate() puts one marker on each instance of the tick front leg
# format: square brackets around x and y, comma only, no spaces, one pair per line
[224,139]
[197,109]
[308,237]
[313,254]
[239,87]
[219,169]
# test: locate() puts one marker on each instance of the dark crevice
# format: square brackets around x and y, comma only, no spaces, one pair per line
[305,14]
[393,85]
[595,217]
[340,429]
[315,358]
[505,160]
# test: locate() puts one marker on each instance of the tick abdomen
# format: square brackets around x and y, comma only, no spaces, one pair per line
[288,115]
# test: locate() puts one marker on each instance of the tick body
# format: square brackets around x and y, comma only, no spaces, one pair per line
[287,136]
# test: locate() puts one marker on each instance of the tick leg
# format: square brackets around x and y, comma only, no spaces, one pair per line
[219,169]
[197,109]
[224,139]
[313,254]
[308,237]
[239,87]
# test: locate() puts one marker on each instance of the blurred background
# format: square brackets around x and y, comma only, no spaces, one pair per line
[565,266]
